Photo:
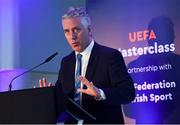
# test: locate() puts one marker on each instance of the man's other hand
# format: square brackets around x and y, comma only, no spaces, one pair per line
[43,83]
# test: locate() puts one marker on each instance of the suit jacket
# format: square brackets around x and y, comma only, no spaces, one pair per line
[107,70]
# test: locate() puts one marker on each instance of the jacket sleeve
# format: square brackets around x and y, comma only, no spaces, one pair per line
[122,91]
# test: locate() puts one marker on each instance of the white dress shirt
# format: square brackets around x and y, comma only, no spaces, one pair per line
[85,58]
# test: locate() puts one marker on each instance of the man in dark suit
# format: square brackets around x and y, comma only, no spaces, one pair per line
[99,82]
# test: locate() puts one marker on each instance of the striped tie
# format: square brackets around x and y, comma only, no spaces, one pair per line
[77,81]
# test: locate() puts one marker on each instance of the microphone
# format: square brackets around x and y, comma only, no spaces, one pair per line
[51,57]
[47,60]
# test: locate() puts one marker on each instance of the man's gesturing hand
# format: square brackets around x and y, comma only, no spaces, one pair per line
[90,90]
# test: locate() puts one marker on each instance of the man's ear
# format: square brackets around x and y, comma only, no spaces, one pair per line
[90,30]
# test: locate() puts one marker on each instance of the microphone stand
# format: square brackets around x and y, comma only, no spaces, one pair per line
[47,60]
[10,85]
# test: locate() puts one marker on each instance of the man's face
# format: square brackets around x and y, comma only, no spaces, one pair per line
[77,35]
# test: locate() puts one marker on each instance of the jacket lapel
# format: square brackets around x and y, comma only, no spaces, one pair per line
[92,62]
[71,74]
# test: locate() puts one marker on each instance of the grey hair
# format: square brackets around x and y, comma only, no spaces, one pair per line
[73,12]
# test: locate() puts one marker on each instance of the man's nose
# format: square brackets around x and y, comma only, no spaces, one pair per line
[74,37]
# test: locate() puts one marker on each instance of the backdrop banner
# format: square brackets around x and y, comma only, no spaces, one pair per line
[147,35]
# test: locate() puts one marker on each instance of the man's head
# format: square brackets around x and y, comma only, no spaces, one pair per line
[76,24]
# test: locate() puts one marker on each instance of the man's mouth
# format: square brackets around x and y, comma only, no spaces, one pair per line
[75,44]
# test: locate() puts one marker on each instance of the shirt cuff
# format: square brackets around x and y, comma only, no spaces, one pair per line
[101,96]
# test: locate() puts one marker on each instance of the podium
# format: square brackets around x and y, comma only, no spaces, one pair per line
[39,105]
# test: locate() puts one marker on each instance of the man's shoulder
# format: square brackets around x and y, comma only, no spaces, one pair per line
[105,49]
[68,57]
